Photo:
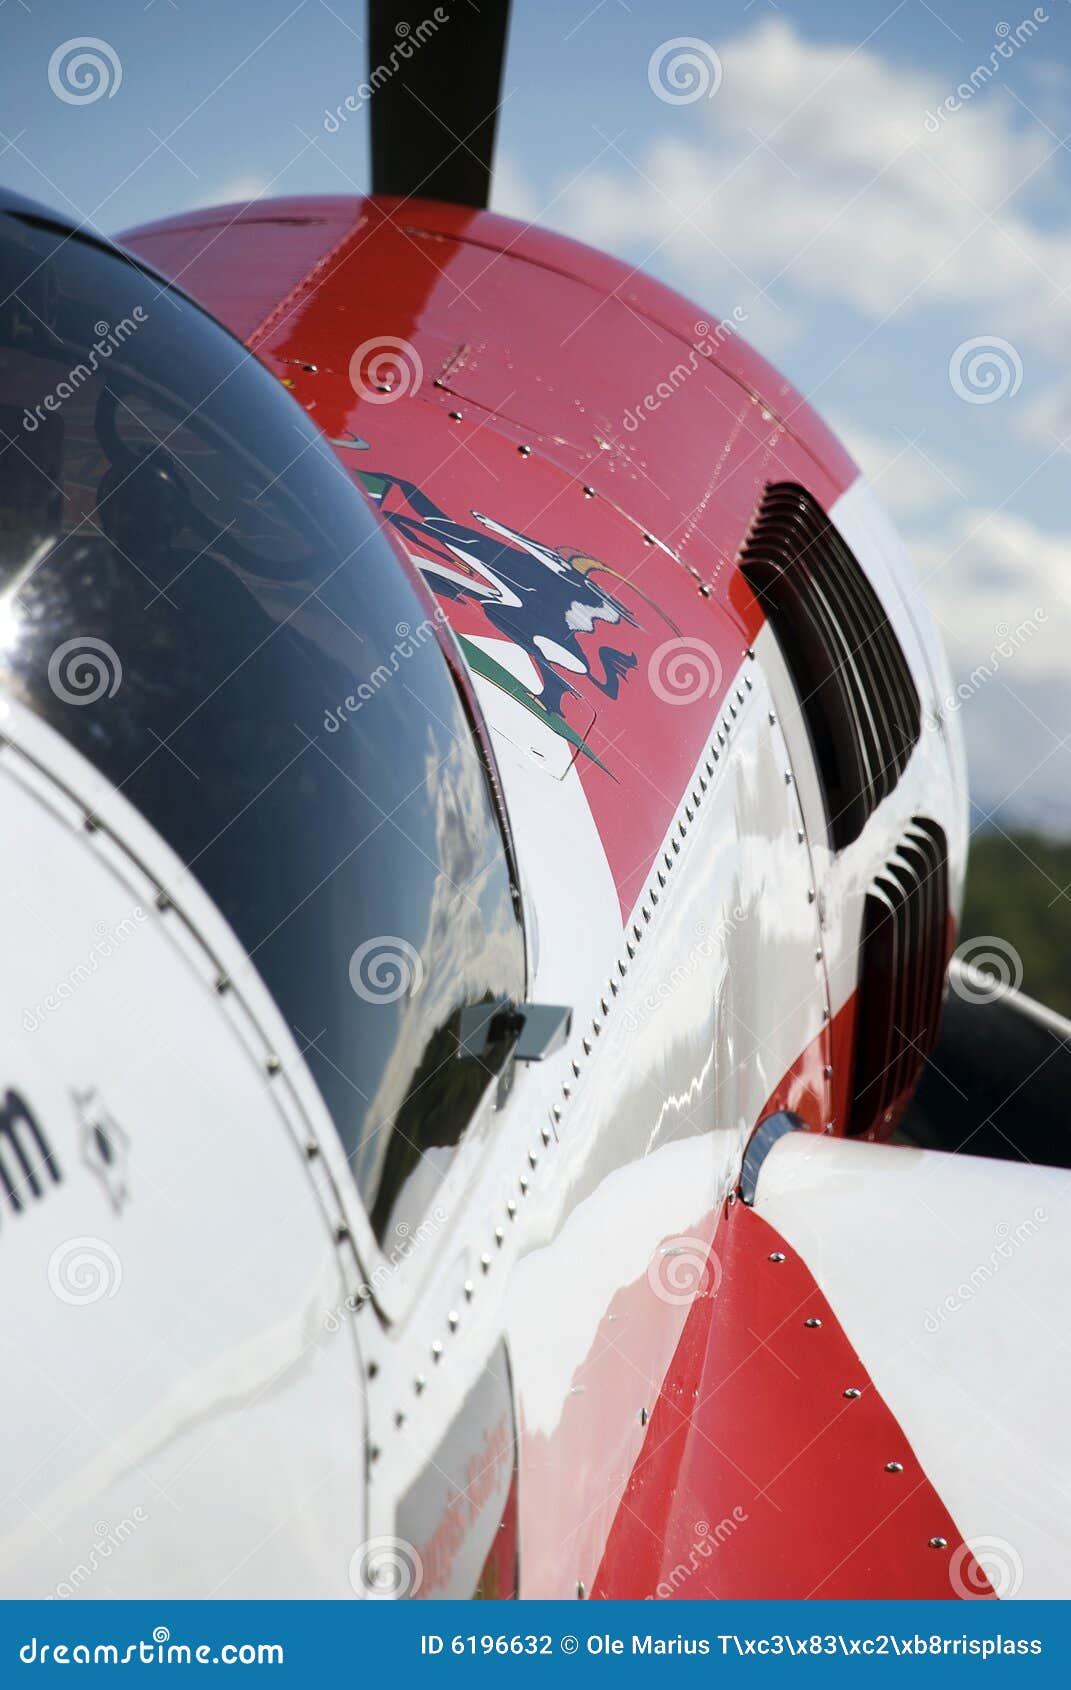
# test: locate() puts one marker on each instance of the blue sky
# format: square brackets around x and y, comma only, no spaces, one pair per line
[866,243]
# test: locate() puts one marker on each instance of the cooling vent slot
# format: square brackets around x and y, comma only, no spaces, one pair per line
[903,954]
[854,686]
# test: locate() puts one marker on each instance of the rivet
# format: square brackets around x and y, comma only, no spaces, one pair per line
[631,949]
[222,984]
[721,737]
[828,1071]
[485,1263]
[852,1393]
[690,813]
[645,912]
[800,836]
[751,653]
[894,1467]
[312,1149]
[661,878]
[163,902]
[818,955]
[523,1183]
[622,969]
[732,711]
[811,895]
[604,1006]
[576,1068]
[437,1350]
[511,1209]
[342,1233]
[773,718]
[812,1321]
[589,492]
[556,1111]
[788,777]
[272,1064]
[828,1128]
[749,683]
[739,696]
[373,1452]
[777,1256]
[500,1237]
[532,1159]
[581,1592]
[653,895]
[704,591]
[648,539]
[399,1418]
[525,451]
[637,931]
[567,1090]
[455,416]
[544,1132]
[614,988]
[702,783]
[90,823]
[453,1320]
[644,1417]
[469,1289]
[419,1384]
[710,767]
[676,847]
[938,1543]
[667,859]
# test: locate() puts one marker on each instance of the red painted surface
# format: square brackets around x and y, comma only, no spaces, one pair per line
[758,1477]
[243,261]
[805,1090]
[605,380]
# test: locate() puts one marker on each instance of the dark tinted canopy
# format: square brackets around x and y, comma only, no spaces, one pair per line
[194,593]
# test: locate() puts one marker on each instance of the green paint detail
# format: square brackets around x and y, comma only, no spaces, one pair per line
[375,485]
[483,664]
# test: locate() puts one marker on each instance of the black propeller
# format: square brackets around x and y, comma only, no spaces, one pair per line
[436,73]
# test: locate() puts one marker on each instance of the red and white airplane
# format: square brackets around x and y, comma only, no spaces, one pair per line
[485,821]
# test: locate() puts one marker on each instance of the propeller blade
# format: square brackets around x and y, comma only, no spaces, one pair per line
[436,95]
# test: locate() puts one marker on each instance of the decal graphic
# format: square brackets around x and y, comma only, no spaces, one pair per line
[540,598]
[105,1146]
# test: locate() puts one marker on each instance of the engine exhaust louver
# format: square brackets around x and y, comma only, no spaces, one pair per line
[852,679]
[903,955]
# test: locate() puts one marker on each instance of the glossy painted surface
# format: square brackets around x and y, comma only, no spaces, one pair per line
[772,1467]
[679,893]
[181,1420]
[948,1275]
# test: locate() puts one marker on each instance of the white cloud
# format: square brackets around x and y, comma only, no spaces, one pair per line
[231,190]
[512,193]
[910,477]
[999,587]
[813,169]
[987,571]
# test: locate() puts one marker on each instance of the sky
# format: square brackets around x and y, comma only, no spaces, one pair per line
[883,191]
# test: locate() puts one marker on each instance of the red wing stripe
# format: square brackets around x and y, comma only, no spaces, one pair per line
[763,1473]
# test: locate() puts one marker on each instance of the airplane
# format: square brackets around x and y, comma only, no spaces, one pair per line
[485,830]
